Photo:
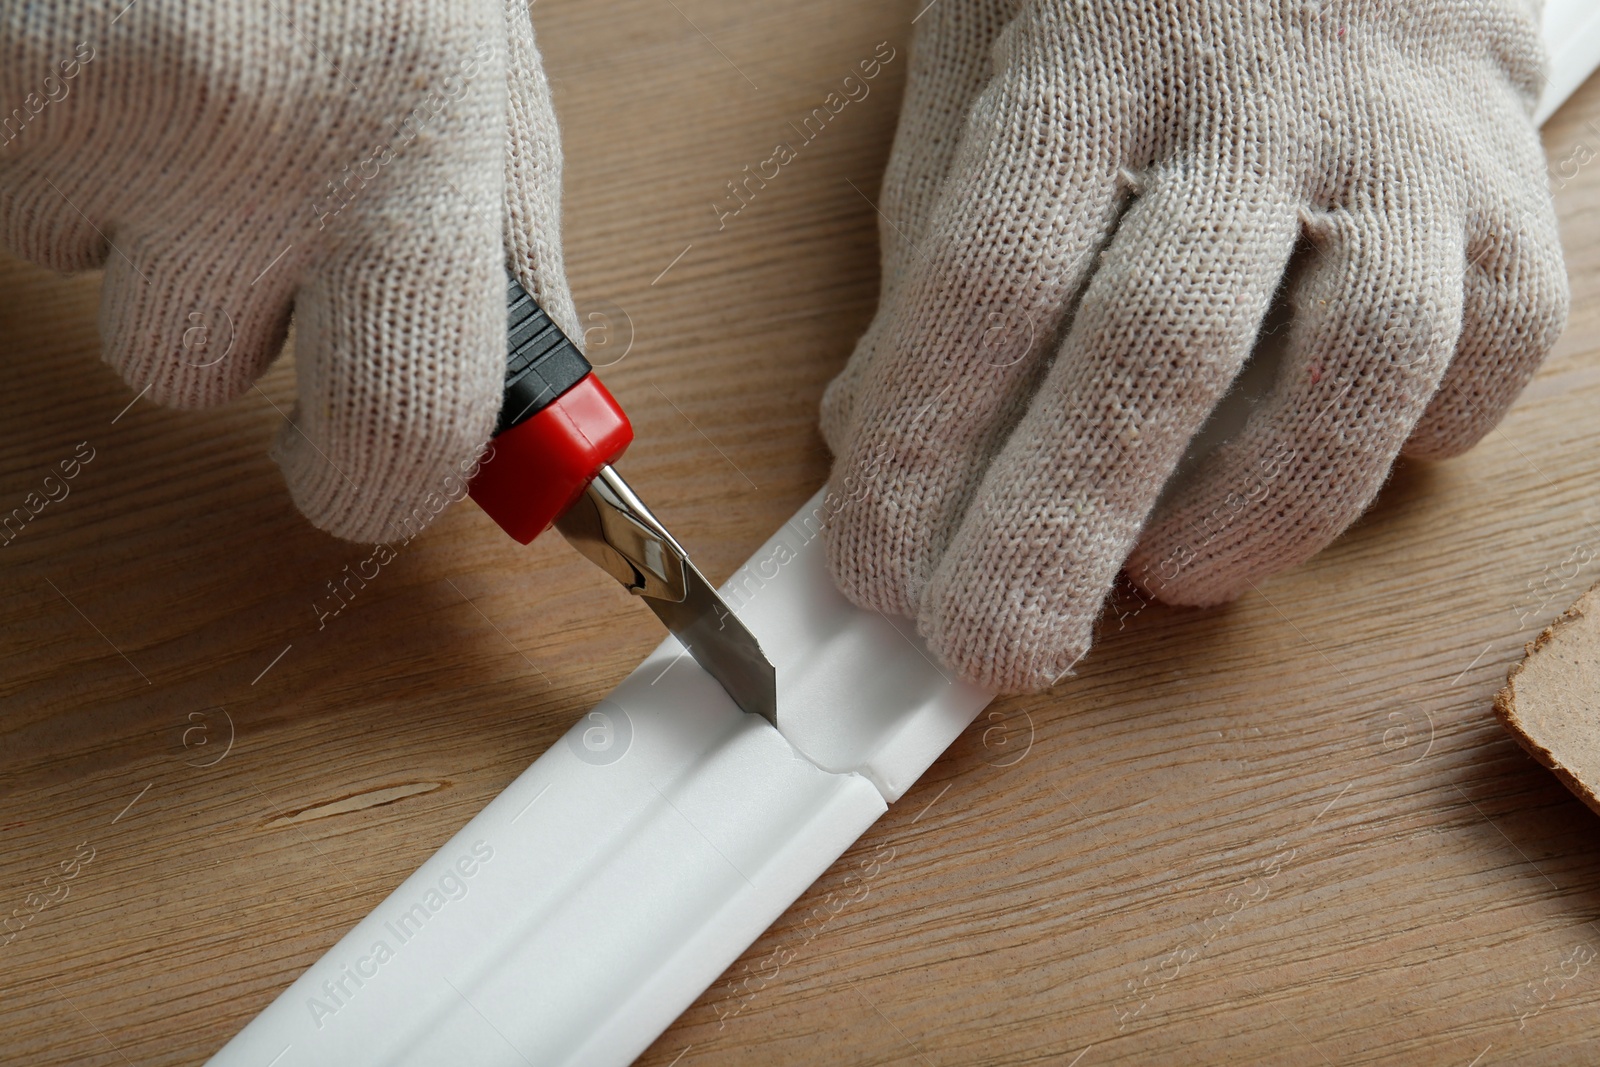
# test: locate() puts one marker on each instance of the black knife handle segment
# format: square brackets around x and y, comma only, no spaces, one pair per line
[541,361]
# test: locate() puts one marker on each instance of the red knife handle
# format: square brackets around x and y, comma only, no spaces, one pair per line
[558,426]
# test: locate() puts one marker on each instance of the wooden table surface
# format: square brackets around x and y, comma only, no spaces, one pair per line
[1286,831]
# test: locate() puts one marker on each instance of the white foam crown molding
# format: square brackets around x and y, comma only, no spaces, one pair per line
[589,904]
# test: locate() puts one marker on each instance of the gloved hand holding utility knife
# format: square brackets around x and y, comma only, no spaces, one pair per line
[374,167]
[1088,210]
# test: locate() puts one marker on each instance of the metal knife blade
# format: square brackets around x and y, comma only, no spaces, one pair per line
[612,527]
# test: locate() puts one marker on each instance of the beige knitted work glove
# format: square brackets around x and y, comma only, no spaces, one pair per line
[228,161]
[1088,210]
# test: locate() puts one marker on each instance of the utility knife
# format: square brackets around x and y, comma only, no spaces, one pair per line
[550,464]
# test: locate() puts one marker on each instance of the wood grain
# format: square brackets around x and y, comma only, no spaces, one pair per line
[1286,831]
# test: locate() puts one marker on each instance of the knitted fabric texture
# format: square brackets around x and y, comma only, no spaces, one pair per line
[355,162]
[1088,211]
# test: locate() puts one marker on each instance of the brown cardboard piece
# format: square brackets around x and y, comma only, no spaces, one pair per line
[1551,702]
